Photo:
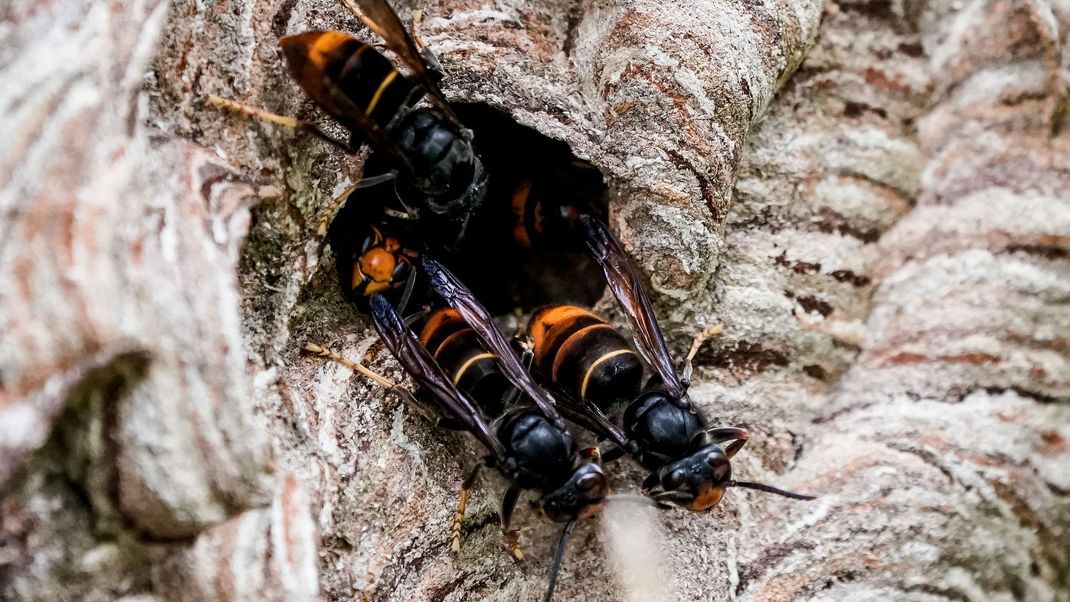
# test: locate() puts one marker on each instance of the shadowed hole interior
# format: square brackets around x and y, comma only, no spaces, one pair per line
[521,252]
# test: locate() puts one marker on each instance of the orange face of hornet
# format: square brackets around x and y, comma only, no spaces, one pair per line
[384,264]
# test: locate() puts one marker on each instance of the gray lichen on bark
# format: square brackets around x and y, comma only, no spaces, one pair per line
[871,196]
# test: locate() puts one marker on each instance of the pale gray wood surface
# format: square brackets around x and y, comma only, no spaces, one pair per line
[871,196]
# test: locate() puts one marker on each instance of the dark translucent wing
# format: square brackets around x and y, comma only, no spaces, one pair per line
[592,418]
[416,360]
[624,281]
[356,119]
[401,43]
[457,295]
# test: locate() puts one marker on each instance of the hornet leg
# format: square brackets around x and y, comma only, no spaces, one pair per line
[434,67]
[700,340]
[678,498]
[417,315]
[365,19]
[511,538]
[332,209]
[613,455]
[290,122]
[728,433]
[591,453]
[650,482]
[406,295]
[526,357]
[404,394]
[458,517]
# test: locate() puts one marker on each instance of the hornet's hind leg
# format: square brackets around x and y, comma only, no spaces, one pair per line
[458,517]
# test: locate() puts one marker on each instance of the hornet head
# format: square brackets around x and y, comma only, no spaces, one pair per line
[579,497]
[699,480]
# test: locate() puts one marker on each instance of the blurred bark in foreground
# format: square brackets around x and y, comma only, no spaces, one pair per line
[876,207]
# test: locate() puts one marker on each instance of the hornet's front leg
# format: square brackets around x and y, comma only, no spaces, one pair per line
[434,66]
[290,122]
[721,434]
[696,344]
[406,396]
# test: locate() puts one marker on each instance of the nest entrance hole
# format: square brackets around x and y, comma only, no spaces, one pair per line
[517,255]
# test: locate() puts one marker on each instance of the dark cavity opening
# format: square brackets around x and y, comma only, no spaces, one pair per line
[524,253]
[521,251]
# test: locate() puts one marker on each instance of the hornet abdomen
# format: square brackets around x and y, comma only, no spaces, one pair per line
[345,75]
[473,370]
[583,355]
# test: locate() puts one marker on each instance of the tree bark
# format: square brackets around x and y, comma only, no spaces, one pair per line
[872,197]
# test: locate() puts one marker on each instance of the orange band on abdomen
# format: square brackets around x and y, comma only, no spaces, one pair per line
[562,351]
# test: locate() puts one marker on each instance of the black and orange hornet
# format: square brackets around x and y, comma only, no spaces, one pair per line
[592,369]
[433,181]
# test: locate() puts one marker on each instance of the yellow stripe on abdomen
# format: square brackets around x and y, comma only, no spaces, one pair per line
[590,371]
[464,367]
[563,349]
[379,92]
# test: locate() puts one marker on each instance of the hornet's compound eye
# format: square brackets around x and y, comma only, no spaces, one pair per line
[674,480]
[589,481]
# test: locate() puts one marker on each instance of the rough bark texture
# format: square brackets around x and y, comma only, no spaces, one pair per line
[871,196]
